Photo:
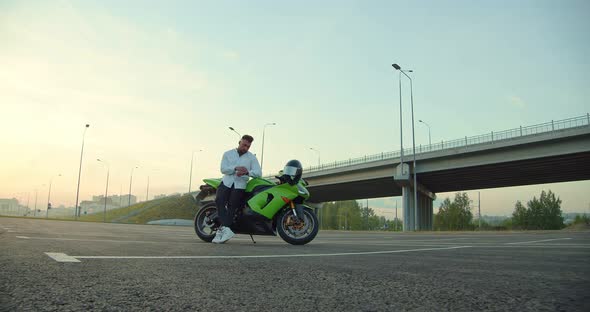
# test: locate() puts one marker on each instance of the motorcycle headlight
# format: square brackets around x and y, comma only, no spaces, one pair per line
[302,190]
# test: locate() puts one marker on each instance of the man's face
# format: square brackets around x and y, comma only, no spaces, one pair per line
[243,146]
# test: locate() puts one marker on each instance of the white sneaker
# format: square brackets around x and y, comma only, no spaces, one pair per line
[226,235]
[218,235]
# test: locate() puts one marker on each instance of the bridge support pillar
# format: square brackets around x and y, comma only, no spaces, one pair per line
[318,211]
[416,217]
[420,219]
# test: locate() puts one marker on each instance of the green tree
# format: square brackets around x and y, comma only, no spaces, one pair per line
[352,216]
[341,215]
[455,215]
[375,222]
[519,216]
[551,211]
[394,225]
[582,219]
[541,214]
[366,215]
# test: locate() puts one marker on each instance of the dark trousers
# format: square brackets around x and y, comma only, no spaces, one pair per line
[227,201]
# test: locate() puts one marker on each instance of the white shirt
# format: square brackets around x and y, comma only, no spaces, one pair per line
[230,160]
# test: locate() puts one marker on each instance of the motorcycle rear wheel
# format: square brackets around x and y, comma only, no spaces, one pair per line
[297,232]
[205,226]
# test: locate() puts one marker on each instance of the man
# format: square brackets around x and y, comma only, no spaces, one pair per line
[237,166]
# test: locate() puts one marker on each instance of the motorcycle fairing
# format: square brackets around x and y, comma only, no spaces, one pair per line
[213,182]
[256,182]
[270,201]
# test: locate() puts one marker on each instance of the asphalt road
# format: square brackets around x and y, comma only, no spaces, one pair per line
[77,266]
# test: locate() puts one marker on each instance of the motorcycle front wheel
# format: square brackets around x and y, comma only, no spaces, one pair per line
[297,231]
[205,226]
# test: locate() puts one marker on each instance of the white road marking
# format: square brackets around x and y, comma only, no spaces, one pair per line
[61,257]
[196,240]
[397,242]
[442,239]
[538,241]
[102,240]
[65,258]
[473,244]
[538,246]
[271,240]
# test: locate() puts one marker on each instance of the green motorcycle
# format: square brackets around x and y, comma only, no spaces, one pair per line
[270,208]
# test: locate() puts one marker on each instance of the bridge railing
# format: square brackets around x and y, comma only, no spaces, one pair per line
[489,138]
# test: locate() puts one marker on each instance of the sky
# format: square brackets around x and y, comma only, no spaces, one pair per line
[161,81]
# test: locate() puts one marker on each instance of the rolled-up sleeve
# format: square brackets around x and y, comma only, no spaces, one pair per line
[255,171]
[227,166]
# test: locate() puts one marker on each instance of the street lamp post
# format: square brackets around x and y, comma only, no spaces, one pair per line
[36,193]
[315,150]
[263,130]
[401,129]
[367,215]
[28,198]
[397,67]
[129,195]
[395,225]
[234,130]
[147,191]
[191,171]
[106,191]
[479,210]
[35,212]
[429,139]
[340,221]
[49,197]
[76,210]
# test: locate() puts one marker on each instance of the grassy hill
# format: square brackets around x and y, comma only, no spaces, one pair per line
[177,207]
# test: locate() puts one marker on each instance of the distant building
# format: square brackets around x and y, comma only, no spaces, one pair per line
[10,207]
[61,211]
[115,200]
[97,204]
[100,199]
[126,199]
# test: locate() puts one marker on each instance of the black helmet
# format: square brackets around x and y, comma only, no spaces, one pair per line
[294,170]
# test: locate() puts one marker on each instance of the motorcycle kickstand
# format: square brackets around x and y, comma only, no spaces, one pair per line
[251,237]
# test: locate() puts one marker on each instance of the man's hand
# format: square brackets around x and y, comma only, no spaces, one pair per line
[240,171]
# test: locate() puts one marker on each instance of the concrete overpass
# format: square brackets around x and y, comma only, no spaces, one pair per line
[558,151]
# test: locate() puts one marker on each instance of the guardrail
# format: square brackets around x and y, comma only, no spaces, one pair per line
[553,125]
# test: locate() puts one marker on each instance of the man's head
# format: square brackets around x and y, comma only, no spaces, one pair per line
[244,143]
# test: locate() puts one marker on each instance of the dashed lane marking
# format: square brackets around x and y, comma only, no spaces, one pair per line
[538,241]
